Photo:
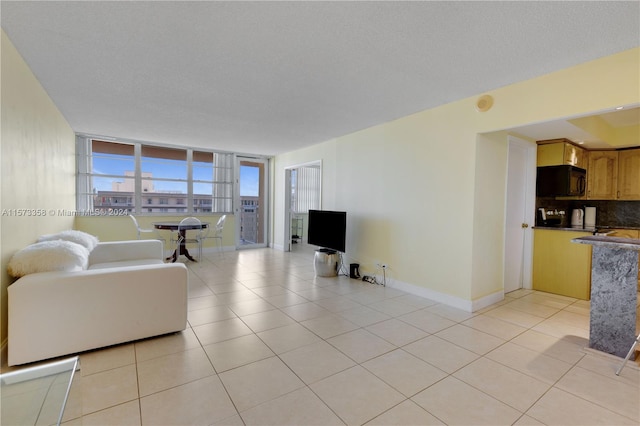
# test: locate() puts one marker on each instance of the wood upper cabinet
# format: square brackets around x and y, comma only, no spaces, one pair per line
[611,175]
[602,175]
[574,156]
[629,174]
[559,153]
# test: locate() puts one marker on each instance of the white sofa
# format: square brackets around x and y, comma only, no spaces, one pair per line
[126,293]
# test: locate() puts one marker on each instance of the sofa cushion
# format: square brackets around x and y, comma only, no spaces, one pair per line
[87,240]
[136,262]
[45,256]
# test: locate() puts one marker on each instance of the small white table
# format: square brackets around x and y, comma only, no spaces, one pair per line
[175,226]
[37,395]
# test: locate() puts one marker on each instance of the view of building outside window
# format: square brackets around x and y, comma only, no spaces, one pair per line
[164,180]
[250,209]
[249,223]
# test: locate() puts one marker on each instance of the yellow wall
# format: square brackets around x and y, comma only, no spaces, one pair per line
[426,193]
[120,228]
[38,163]
[488,215]
[596,86]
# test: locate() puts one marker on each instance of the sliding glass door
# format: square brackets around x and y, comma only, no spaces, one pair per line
[251,202]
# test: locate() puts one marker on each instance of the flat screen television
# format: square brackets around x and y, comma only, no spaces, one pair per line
[327,229]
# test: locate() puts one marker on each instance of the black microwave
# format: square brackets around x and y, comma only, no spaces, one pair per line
[560,181]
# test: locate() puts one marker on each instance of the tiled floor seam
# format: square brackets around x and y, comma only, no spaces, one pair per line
[589,401]
[553,386]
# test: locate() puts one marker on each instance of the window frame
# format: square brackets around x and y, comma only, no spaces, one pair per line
[222,169]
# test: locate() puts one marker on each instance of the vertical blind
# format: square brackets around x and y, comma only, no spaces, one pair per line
[307,189]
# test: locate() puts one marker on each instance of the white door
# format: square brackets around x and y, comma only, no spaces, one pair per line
[520,214]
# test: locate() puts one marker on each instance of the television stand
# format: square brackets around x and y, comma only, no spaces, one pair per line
[326,262]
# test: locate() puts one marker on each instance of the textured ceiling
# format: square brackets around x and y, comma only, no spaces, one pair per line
[271,77]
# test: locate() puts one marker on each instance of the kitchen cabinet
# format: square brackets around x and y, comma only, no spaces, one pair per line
[624,233]
[614,175]
[551,153]
[602,175]
[560,266]
[629,174]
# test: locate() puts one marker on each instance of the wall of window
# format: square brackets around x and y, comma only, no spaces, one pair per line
[138,178]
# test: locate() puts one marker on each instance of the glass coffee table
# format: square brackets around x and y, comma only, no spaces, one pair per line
[37,395]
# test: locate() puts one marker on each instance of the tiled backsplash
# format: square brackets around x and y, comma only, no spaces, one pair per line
[615,214]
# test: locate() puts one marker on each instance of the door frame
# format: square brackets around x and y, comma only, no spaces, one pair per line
[529,208]
[287,198]
[264,197]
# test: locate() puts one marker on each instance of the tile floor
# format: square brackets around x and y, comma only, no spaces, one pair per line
[270,344]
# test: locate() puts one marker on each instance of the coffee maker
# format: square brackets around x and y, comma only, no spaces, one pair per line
[550,217]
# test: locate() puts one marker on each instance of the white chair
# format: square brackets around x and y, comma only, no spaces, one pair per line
[633,347]
[141,231]
[190,231]
[217,233]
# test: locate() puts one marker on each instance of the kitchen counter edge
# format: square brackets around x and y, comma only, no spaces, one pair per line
[613,242]
[588,229]
[560,228]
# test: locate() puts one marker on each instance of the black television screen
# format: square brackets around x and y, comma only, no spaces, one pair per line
[327,229]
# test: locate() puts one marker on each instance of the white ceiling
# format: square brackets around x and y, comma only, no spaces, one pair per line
[271,77]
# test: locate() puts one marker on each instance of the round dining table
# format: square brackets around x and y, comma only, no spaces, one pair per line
[173,226]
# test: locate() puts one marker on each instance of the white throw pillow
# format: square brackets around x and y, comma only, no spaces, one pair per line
[87,240]
[57,255]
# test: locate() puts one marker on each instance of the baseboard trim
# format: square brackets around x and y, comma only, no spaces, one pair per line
[447,299]
[488,300]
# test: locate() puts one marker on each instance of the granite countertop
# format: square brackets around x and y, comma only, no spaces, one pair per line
[614,242]
[618,227]
[593,229]
[568,228]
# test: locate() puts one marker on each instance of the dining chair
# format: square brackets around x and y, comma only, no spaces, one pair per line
[633,347]
[190,231]
[217,233]
[141,231]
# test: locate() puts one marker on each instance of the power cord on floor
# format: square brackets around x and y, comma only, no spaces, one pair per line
[369,279]
[373,280]
[342,270]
